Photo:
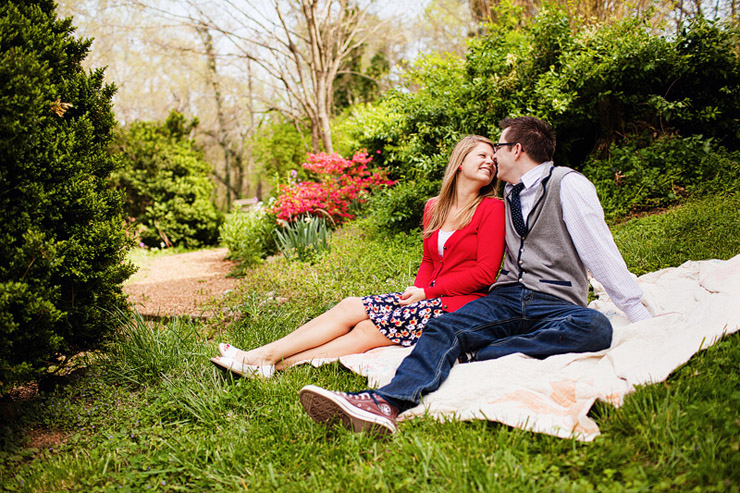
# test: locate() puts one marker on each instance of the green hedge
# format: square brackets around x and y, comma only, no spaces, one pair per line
[62,244]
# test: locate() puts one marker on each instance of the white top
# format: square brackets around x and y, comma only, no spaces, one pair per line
[584,219]
[442,239]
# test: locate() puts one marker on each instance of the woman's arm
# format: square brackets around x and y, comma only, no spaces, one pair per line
[489,252]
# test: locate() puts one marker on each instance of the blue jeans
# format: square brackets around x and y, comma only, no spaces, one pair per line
[510,319]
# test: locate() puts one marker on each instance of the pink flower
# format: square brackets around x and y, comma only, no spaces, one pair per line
[343,181]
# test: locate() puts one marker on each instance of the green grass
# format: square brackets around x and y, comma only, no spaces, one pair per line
[698,230]
[153,415]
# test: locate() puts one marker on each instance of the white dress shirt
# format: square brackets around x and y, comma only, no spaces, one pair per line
[584,219]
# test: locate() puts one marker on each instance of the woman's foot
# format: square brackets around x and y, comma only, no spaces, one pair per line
[244,370]
[244,357]
[229,351]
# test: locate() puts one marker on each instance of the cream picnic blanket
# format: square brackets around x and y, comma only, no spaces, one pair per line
[694,304]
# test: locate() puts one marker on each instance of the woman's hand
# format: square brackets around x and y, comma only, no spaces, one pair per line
[412,294]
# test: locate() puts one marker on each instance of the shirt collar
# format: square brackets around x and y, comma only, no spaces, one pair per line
[532,177]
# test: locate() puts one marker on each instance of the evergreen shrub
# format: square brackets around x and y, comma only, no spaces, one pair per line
[167,183]
[62,243]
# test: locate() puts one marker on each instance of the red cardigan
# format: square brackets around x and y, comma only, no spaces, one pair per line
[472,257]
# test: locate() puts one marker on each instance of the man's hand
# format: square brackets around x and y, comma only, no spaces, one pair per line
[412,294]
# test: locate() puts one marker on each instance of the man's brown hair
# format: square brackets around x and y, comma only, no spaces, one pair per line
[536,136]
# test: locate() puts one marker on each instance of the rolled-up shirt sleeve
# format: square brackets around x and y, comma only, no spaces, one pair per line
[584,219]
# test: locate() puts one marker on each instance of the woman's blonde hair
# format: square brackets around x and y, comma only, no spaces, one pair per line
[448,192]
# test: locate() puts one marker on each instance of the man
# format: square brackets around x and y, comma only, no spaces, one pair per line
[555,232]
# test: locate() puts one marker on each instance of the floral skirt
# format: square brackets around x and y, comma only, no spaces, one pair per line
[401,324]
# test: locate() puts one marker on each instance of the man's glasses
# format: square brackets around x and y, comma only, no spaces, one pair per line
[499,145]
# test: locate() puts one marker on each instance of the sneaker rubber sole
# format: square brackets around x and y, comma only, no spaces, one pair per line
[326,407]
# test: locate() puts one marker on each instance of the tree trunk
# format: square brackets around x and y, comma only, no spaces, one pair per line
[315,136]
[302,48]
[323,118]
[222,134]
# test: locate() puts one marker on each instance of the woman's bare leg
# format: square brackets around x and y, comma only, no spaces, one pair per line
[363,337]
[328,326]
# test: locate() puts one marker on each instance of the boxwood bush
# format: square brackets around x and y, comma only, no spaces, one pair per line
[62,243]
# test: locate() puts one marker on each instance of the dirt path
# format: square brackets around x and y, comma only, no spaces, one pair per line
[181,284]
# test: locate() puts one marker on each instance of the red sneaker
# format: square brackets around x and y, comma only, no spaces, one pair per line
[364,411]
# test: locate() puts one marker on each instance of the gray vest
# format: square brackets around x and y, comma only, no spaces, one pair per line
[545,259]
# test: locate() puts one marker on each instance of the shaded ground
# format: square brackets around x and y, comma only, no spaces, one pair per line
[181,284]
[165,285]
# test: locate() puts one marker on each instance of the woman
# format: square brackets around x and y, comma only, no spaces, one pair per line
[463,248]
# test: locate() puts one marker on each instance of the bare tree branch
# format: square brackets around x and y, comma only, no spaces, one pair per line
[302,48]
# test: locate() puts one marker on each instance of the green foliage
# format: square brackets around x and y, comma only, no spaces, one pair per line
[608,89]
[167,183]
[369,126]
[304,239]
[62,244]
[698,230]
[249,235]
[598,84]
[400,208]
[413,131]
[620,79]
[707,81]
[640,176]
[142,352]
[278,148]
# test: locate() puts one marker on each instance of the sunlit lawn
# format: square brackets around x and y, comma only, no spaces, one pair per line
[153,414]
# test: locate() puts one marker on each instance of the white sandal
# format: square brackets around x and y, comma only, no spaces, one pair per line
[227,350]
[244,370]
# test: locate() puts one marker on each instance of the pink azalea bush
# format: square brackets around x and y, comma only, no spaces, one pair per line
[342,182]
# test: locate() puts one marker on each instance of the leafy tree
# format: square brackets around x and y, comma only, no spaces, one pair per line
[167,183]
[62,244]
[415,129]
[354,85]
[277,149]
[602,87]
[302,46]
